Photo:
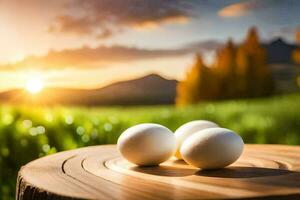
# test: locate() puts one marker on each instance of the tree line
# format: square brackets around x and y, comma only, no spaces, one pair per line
[239,71]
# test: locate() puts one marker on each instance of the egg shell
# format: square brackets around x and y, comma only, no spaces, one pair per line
[212,148]
[188,129]
[147,144]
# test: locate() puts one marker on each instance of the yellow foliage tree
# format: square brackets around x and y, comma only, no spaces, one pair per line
[195,87]
[296,56]
[225,70]
[238,72]
[296,52]
[254,77]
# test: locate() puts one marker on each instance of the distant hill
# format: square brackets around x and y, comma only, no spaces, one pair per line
[279,51]
[284,70]
[150,89]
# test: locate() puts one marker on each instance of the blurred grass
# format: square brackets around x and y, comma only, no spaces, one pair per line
[27,133]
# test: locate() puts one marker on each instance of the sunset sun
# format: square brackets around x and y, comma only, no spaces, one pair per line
[34,85]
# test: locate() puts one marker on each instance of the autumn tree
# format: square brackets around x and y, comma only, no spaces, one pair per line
[254,77]
[225,70]
[238,72]
[296,52]
[195,86]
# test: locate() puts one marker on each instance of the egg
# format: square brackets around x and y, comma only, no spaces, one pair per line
[186,130]
[147,144]
[212,148]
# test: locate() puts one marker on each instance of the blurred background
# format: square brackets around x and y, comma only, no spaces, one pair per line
[77,73]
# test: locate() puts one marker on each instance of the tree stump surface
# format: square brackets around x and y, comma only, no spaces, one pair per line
[99,172]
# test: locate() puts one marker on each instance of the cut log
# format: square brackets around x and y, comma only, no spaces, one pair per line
[99,172]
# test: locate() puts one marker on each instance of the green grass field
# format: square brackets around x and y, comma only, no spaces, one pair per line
[27,133]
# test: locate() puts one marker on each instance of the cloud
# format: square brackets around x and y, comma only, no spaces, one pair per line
[245,7]
[68,24]
[238,9]
[105,34]
[155,23]
[103,56]
[106,17]
[87,57]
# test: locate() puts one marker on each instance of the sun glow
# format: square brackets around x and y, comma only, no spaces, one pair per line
[34,85]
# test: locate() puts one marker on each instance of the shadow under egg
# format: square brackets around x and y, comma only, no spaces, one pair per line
[165,171]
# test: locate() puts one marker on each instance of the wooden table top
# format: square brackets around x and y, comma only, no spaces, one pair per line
[99,172]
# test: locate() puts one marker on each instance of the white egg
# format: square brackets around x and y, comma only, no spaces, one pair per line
[188,129]
[212,148]
[147,144]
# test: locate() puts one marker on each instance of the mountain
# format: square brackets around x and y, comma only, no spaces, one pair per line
[279,51]
[150,89]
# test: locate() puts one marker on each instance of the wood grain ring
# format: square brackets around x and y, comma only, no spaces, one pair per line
[99,172]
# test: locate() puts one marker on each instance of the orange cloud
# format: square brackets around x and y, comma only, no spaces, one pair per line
[238,9]
[154,24]
[68,24]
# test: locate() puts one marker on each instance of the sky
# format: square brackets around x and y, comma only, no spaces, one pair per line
[92,43]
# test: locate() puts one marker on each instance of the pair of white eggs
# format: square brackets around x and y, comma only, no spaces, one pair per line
[200,143]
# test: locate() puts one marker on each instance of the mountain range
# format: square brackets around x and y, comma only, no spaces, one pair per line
[150,89]
[279,51]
